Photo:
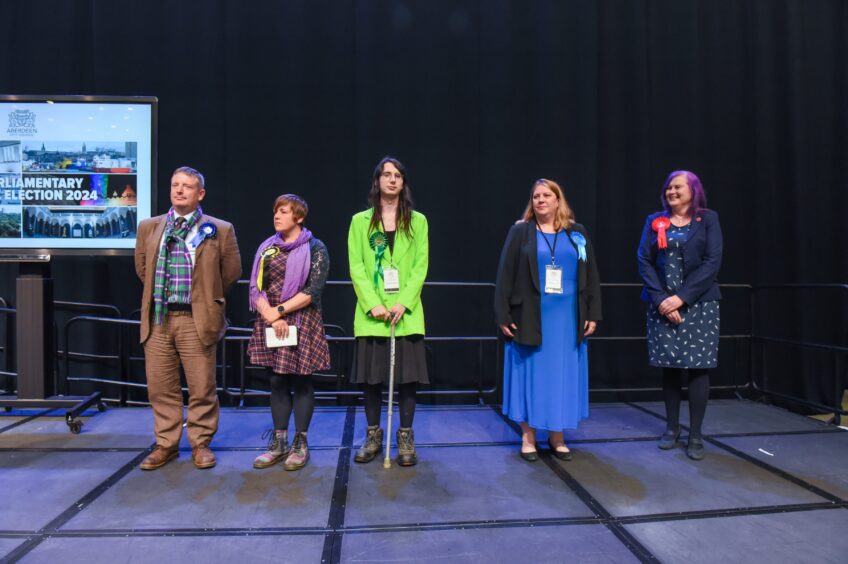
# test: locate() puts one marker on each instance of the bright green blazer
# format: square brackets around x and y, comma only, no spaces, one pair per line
[411,258]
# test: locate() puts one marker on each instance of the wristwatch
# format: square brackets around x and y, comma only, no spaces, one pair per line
[281,309]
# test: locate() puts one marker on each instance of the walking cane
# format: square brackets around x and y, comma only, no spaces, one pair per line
[387,462]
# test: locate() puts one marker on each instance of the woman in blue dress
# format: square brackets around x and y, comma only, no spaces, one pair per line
[547,301]
[679,258]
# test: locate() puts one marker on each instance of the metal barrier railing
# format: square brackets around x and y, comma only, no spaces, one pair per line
[243,335]
[123,357]
[735,386]
[57,304]
[839,353]
[85,306]
[757,379]
[241,392]
[240,334]
[838,368]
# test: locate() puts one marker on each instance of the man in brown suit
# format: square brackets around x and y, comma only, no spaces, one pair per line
[187,261]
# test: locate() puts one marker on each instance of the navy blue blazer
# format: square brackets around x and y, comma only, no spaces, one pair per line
[518,298]
[701,261]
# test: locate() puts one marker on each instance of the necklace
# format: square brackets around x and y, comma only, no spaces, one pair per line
[679,221]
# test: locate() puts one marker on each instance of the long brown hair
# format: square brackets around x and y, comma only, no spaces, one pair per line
[564,218]
[405,204]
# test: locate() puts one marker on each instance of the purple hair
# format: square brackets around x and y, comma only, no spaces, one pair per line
[699,198]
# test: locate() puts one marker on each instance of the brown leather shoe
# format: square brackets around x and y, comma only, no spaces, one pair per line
[202,457]
[158,458]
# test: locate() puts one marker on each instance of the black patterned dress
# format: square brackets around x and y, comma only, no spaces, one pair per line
[311,352]
[693,343]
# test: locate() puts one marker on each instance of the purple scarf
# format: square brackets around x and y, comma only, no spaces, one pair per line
[297,266]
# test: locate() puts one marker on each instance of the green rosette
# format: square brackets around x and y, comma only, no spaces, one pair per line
[378,242]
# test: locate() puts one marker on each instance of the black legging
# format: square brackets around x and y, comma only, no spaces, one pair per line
[374,400]
[699,393]
[281,400]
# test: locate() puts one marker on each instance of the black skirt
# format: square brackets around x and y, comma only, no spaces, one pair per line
[371,360]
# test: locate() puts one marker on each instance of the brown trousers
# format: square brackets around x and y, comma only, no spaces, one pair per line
[173,343]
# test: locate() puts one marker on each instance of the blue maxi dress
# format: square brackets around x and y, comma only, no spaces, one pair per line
[548,386]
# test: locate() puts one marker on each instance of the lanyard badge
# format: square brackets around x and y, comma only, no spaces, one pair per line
[553,273]
[391,280]
[553,279]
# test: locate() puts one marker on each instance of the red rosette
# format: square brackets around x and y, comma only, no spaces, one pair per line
[659,225]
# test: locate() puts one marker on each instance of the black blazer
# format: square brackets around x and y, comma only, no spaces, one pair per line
[518,298]
[701,261]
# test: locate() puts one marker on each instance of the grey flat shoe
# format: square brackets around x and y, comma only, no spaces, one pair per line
[695,449]
[669,440]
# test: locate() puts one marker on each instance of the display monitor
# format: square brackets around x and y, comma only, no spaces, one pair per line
[77,173]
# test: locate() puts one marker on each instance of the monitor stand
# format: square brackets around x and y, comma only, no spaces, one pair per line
[35,347]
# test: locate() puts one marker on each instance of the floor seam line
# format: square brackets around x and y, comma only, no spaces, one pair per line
[331,552]
[623,535]
[25,420]
[758,463]
[83,502]
[412,527]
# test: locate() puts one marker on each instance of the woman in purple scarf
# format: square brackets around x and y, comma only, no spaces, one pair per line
[288,276]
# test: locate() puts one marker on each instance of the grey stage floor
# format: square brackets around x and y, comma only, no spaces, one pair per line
[772,488]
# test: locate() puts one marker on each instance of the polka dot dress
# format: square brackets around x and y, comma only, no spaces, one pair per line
[693,343]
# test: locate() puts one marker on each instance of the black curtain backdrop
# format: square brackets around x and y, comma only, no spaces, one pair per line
[478,99]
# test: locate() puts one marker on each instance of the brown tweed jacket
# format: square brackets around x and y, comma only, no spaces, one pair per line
[217,266]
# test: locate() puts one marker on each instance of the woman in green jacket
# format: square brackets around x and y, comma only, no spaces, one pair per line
[388,252]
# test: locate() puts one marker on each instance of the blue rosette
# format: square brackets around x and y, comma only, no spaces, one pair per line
[580,242]
[206,231]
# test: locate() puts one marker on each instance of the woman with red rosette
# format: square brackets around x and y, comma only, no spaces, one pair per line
[679,258]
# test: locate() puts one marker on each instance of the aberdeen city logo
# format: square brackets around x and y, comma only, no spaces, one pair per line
[21,122]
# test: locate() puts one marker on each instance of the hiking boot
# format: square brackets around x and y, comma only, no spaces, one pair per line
[278,448]
[372,446]
[299,455]
[406,447]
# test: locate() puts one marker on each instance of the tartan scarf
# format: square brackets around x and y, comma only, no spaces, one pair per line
[173,266]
